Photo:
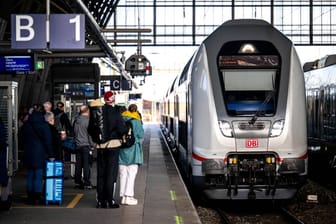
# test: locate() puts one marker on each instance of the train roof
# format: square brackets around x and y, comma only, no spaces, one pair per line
[236,22]
[326,61]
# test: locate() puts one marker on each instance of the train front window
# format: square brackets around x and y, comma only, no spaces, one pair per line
[246,91]
[250,79]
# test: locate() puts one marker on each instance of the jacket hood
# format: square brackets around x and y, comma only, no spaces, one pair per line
[134,115]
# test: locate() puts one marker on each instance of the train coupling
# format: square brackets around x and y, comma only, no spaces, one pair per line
[251,194]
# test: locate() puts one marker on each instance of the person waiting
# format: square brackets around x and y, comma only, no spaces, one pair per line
[130,158]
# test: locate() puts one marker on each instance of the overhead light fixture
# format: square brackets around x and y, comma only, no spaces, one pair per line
[248,49]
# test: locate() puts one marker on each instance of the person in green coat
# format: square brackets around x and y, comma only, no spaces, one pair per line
[130,158]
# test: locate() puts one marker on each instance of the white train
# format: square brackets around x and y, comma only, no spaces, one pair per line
[236,115]
[320,82]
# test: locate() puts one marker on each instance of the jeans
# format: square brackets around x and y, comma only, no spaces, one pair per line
[35,180]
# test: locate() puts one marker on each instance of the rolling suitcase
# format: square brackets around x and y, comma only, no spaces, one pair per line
[54,182]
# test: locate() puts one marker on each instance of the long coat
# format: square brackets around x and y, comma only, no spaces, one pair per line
[133,154]
[37,141]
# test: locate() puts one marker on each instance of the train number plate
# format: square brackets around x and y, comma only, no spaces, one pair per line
[251,143]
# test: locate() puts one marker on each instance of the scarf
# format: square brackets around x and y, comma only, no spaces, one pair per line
[134,115]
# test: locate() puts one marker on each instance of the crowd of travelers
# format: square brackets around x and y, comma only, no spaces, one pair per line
[100,127]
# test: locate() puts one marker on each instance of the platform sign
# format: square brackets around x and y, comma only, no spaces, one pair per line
[116,83]
[67,31]
[28,31]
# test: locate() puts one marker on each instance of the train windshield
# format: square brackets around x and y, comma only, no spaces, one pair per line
[248,79]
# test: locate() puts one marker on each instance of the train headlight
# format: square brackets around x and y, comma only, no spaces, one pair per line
[277,128]
[225,128]
[270,159]
[233,160]
[248,48]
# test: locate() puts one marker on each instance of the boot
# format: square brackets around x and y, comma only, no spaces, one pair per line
[101,204]
[30,198]
[113,204]
[38,198]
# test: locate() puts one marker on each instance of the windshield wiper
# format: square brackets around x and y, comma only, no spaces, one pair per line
[260,109]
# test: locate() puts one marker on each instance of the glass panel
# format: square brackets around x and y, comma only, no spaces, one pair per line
[246,80]
[292,17]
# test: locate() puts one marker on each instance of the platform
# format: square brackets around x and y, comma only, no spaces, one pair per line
[162,196]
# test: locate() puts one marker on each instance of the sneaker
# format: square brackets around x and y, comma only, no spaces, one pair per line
[131,201]
[123,200]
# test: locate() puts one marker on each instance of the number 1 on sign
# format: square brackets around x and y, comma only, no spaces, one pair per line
[76,20]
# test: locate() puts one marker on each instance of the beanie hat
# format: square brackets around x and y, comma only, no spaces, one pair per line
[109,97]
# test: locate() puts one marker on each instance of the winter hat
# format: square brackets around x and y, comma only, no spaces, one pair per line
[109,97]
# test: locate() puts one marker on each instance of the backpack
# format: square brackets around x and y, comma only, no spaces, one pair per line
[96,125]
[129,139]
[58,125]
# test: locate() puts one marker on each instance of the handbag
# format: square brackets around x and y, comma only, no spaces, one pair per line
[69,144]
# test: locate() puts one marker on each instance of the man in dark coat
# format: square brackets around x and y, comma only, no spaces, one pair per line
[114,127]
[37,145]
[62,121]
[55,136]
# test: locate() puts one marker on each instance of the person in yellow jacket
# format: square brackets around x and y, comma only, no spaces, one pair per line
[130,158]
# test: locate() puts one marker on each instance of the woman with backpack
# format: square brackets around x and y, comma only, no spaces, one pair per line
[130,158]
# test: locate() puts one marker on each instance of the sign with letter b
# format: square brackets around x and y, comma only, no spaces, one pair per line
[67,31]
[28,31]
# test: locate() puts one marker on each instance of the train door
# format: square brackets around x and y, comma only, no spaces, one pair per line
[9,157]
[332,112]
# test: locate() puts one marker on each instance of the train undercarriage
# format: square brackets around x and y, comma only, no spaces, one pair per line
[256,176]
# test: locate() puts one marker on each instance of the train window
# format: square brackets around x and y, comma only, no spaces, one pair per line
[244,80]
[246,103]
[248,91]
[173,85]
[184,73]
[250,77]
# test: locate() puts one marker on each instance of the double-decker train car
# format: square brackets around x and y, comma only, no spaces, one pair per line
[236,115]
[320,80]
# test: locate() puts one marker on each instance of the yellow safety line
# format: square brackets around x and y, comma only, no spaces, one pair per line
[74,201]
[173,196]
[178,219]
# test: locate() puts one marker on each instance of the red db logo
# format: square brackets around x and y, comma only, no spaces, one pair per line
[251,143]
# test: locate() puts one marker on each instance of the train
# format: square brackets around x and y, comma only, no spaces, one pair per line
[320,82]
[235,118]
